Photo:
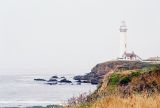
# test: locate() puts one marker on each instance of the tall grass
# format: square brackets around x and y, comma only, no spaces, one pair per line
[138,88]
[134,101]
[113,101]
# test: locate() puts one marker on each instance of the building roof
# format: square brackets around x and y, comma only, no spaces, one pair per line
[130,55]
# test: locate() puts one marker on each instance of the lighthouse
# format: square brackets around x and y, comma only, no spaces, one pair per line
[124,54]
[123,39]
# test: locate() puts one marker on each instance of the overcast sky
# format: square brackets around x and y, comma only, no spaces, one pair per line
[72,36]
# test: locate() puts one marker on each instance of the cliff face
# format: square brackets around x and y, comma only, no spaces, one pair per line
[103,68]
[128,82]
[123,80]
[97,73]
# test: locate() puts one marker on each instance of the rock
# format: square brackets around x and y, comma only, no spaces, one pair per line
[54,106]
[77,77]
[94,81]
[52,80]
[79,81]
[54,77]
[39,79]
[65,81]
[51,83]
[86,81]
[102,69]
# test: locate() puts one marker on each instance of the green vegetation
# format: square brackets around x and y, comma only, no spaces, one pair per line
[130,88]
[135,74]
[153,67]
[114,79]
[111,88]
[120,79]
[125,80]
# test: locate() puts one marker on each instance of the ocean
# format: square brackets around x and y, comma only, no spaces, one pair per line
[22,91]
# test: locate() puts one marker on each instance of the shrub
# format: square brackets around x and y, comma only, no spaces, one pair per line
[125,80]
[80,100]
[154,67]
[136,73]
[114,79]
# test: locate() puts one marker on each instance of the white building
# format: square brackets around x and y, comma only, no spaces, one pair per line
[123,39]
[124,55]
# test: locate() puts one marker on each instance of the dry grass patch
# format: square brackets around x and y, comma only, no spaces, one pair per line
[135,101]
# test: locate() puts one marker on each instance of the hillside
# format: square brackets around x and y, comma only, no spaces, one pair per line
[100,70]
[130,84]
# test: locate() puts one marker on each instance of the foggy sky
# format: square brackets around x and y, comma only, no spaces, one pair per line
[72,36]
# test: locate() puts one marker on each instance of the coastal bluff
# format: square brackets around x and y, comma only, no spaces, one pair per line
[129,84]
[101,69]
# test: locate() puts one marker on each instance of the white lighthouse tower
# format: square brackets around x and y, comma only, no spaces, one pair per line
[124,54]
[123,39]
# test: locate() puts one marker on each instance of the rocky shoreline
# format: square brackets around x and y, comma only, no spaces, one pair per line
[97,73]
[100,70]
[54,80]
[94,77]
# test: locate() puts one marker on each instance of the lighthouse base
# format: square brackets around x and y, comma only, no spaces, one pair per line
[130,57]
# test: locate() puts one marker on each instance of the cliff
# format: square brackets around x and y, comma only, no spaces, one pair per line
[129,84]
[97,73]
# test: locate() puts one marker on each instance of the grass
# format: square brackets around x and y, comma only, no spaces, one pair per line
[114,79]
[117,78]
[114,85]
[134,101]
[126,76]
[135,74]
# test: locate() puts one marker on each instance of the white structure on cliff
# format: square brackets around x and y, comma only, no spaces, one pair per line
[124,55]
[123,38]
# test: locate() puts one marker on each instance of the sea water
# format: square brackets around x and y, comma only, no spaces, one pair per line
[22,91]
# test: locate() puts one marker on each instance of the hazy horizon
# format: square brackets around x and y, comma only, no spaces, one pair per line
[72,36]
